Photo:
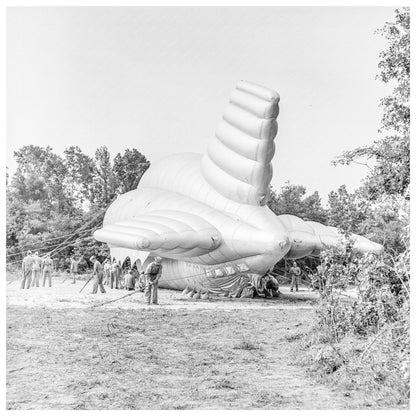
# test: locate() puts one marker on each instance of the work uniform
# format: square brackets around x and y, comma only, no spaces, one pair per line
[27,264]
[295,272]
[115,273]
[47,271]
[36,266]
[73,268]
[129,281]
[318,282]
[140,282]
[98,273]
[152,274]
[272,286]
[107,272]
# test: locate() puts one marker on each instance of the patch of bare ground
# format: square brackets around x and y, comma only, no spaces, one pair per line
[183,354]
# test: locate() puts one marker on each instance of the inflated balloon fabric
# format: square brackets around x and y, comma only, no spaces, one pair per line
[206,215]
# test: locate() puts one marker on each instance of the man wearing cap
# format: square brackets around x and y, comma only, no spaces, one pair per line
[295,272]
[27,264]
[152,276]
[97,271]
[106,272]
[115,274]
[47,266]
[129,280]
[73,269]
[36,266]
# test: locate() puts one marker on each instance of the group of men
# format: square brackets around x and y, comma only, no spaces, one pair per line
[33,268]
[109,273]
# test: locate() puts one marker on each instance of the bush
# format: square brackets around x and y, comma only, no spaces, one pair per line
[363,343]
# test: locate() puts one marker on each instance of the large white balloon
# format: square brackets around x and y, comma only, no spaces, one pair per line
[206,215]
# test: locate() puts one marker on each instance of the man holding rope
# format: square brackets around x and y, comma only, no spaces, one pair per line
[152,276]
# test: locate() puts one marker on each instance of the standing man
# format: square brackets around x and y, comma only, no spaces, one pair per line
[47,266]
[73,269]
[36,266]
[27,264]
[320,275]
[97,271]
[152,275]
[295,272]
[115,274]
[107,272]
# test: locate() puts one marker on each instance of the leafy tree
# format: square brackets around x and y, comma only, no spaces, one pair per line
[40,176]
[388,158]
[46,199]
[104,182]
[384,222]
[313,209]
[291,200]
[346,210]
[129,169]
[79,178]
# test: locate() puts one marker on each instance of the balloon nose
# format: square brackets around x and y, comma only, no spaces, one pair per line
[282,245]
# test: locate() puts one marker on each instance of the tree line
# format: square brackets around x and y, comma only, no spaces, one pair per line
[51,198]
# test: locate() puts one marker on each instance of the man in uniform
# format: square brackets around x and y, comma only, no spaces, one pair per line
[115,274]
[141,282]
[272,286]
[295,272]
[129,280]
[97,271]
[73,269]
[152,275]
[36,269]
[107,272]
[47,266]
[26,270]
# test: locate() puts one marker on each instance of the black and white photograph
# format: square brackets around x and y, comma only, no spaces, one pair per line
[207,208]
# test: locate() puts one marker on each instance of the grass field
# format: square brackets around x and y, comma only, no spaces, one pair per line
[183,354]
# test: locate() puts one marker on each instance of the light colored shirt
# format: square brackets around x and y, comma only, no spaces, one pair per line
[295,270]
[98,268]
[153,271]
[129,281]
[47,264]
[37,261]
[74,265]
[27,263]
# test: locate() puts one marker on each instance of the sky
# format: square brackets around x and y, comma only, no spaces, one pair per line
[158,79]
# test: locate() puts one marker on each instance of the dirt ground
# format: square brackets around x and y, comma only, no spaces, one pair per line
[219,353]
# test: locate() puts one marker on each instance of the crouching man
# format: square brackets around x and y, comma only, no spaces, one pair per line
[152,276]
[129,280]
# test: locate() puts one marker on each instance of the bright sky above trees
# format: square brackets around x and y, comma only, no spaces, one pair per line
[157,79]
